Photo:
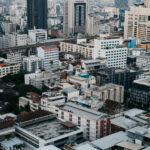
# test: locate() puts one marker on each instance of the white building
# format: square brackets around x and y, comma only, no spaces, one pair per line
[14,57]
[112,50]
[32,63]
[50,100]
[143,61]
[38,35]
[6,69]
[9,27]
[40,79]
[91,121]
[137,22]
[13,40]
[93,65]
[50,57]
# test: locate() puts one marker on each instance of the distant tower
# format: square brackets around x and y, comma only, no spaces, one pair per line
[75,17]
[122,4]
[37,14]
[147,3]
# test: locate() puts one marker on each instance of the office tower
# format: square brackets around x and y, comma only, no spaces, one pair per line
[37,14]
[75,16]
[137,22]
[122,4]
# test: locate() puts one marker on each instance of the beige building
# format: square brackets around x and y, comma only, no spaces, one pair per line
[75,17]
[137,22]
[85,49]
[109,91]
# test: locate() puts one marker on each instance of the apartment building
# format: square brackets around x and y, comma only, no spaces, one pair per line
[50,57]
[112,50]
[6,69]
[137,22]
[45,79]
[95,124]
[32,63]
[85,49]
[34,101]
[50,100]
[109,91]
[38,35]
[93,65]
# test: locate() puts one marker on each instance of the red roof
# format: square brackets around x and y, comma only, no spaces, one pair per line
[49,47]
[34,96]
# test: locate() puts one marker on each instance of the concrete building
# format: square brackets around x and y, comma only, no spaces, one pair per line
[139,93]
[49,56]
[9,27]
[85,49]
[13,40]
[37,35]
[112,50]
[137,22]
[41,129]
[109,91]
[70,92]
[15,57]
[50,100]
[89,66]
[91,121]
[75,17]
[117,76]
[32,63]
[143,61]
[6,69]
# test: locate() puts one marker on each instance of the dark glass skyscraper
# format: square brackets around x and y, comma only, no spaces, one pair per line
[37,14]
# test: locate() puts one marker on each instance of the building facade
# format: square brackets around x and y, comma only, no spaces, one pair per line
[94,123]
[50,57]
[75,16]
[37,14]
[137,22]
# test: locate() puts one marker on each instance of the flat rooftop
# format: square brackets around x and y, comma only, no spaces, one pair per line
[145,81]
[82,111]
[50,129]
[123,122]
[110,141]
[130,146]
[105,87]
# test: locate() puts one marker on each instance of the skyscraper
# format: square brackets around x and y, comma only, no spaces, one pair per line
[137,22]
[75,16]
[37,14]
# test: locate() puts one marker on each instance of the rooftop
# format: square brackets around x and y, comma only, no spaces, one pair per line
[50,147]
[49,47]
[82,111]
[70,90]
[143,131]
[11,143]
[32,115]
[80,79]
[85,147]
[129,146]
[123,122]
[133,112]
[50,129]
[110,141]
[145,81]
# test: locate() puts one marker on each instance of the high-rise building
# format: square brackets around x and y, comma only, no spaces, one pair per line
[137,22]
[122,4]
[75,16]
[37,14]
